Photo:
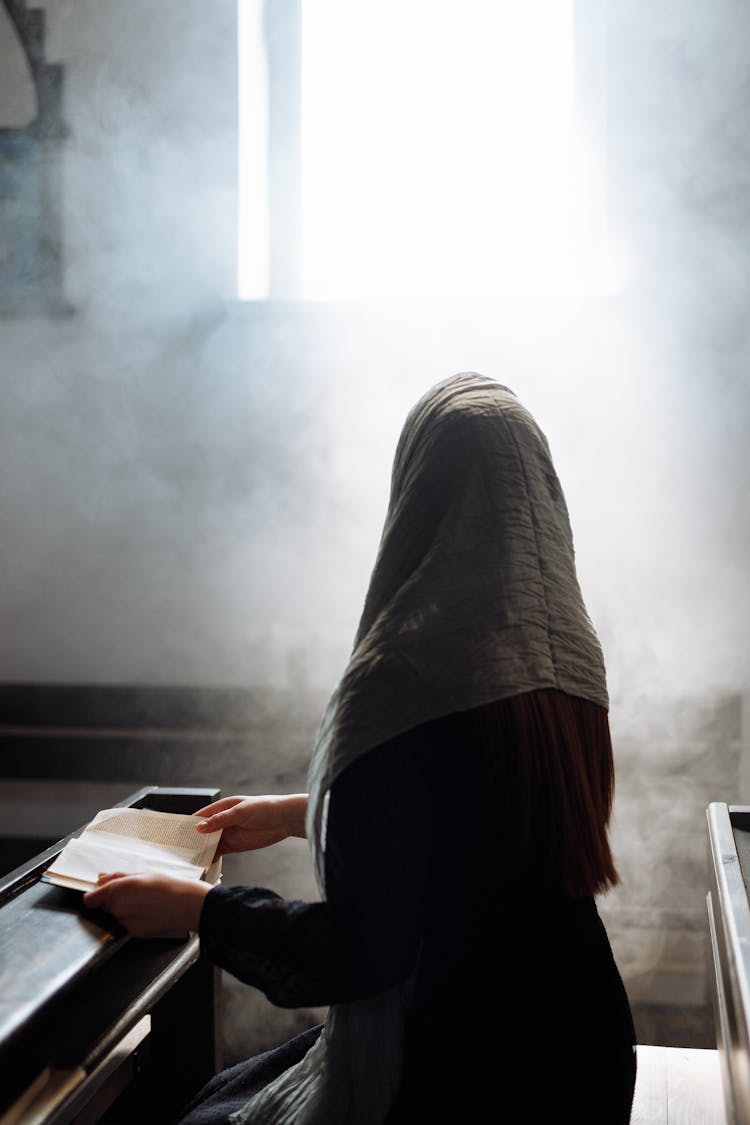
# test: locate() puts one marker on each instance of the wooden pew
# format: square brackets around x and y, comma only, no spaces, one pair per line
[96,1026]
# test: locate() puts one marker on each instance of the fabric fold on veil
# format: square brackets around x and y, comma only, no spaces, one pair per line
[474,597]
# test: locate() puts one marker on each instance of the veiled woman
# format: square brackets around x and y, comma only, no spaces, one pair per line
[461,785]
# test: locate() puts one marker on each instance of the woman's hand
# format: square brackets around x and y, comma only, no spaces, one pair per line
[150,905]
[249,823]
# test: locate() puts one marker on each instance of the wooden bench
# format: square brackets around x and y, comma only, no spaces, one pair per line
[92,1023]
[678,1086]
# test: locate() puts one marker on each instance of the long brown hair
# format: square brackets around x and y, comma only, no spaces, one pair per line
[548,757]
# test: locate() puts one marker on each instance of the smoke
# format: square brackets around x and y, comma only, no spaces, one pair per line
[193,491]
[167,434]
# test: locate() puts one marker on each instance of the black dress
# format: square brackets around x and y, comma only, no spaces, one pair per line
[520,1013]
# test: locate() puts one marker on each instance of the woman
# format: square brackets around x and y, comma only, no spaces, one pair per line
[460,792]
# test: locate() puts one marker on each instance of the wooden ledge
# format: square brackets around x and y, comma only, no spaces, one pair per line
[678,1086]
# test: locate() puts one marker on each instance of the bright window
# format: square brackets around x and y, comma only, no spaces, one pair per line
[438,153]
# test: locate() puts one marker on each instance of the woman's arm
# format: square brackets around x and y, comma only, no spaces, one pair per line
[381,839]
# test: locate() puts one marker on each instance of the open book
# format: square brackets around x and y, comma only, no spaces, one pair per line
[136,842]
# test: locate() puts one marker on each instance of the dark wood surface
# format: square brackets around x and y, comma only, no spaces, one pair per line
[46,941]
[73,984]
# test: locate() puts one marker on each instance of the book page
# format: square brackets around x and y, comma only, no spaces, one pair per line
[214,872]
[82,860]
[174,831]
[131,845]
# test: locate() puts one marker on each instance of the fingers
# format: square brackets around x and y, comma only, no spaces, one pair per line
[98,896]
[218,806]
[222,818]
[212,823]
[95,898]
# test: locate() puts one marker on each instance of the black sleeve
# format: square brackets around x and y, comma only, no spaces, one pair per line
[382,831]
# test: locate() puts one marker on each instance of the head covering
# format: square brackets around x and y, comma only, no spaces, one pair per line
[474,597]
